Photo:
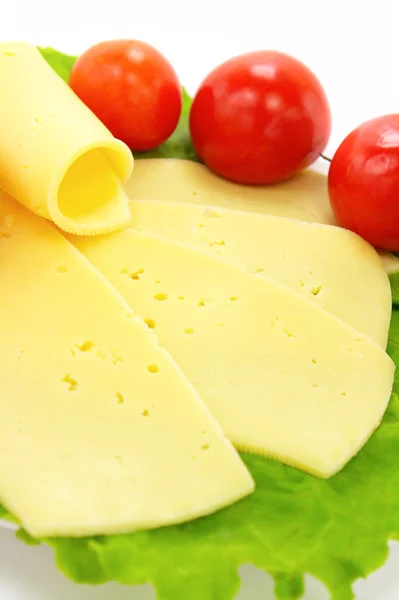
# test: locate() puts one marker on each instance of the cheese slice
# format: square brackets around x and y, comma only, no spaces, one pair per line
[100,431]
[56,157]
[283,377]
[331,266]
[304,198]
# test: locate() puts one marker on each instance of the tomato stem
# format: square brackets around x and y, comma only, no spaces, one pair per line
[325,157]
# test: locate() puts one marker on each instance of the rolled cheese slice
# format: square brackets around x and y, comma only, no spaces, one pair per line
[56,157]
[283,377]
[304,198]
[333,267]
[100,431]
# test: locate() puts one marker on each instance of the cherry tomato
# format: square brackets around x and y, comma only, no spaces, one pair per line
[363,182]
[259,118]
[132,89]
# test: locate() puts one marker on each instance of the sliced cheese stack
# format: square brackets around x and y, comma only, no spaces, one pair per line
[282,376]
[56,157]
[303,198]
[100,431]
[330,266]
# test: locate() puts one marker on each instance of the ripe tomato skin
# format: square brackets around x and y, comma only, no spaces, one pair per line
[259,118]
[363,182]
[132,89]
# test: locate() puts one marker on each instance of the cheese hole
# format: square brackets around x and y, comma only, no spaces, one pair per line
[119,398]
[5,235]
[301,283]
[157,281]
[61,269]
[205,447]
[289,333]
[343,394]
[118,459]
[215,242]
[150,323]
[315,291]
[115,357]
[145,413]
[71,381]
[180,297]
[188,330]
[314,361]
[9,53]
[259,270]
[233,298]
[35,126]
[219,324]
[153,368]
[135,275]
[86,346]
[315,385]
[160,296]
[201,302]
[200,225]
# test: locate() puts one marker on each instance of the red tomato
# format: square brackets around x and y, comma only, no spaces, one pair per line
[259,118]
[363,182]
[132,89]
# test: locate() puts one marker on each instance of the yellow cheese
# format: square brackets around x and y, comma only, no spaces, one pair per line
[331,266]
[100,432]
[304,198]
[282,376]
[56,157]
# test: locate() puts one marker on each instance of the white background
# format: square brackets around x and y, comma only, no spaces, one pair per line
[353,47]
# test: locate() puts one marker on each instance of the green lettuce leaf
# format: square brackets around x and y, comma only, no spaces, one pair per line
[179,144]
[61,63]
[395,288]
[336,530]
